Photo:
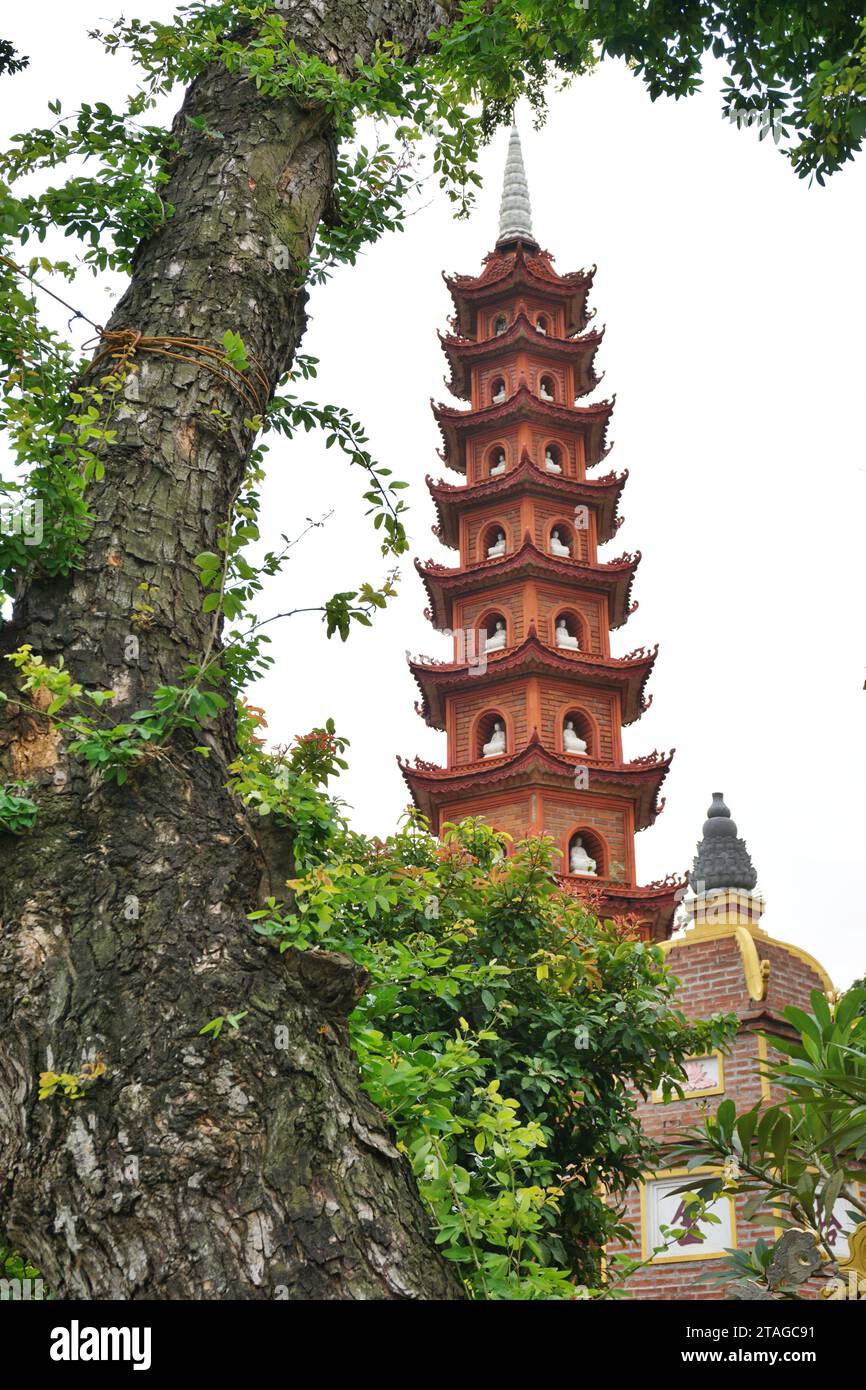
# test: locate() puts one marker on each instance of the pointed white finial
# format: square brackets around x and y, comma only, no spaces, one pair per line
[515,213]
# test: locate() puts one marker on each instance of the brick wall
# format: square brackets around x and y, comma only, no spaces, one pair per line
[611,822]
[559,698]
[507,700]
[550,514]
[713,980]
[591,608]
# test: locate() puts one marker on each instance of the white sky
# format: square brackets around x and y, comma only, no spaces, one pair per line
[734,299]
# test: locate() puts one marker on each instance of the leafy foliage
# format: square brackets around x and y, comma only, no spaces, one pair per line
[798,1157]
[860,984]
[9,60]
[70,1085]
[17,811]
[807,66]
[502,1033]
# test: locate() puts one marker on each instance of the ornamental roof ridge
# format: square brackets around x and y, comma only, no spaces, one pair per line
[527,464]
[434,676]
[510,655]
[622,562]
[457,412]
[534,746]
[653,759]
[646,783]
[498,265]
[586,338]
[672,880]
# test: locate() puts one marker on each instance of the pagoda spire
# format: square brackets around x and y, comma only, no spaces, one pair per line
[532,702]
[722,860]
[515,211]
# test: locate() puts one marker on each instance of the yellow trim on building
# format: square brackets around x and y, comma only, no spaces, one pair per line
[749,937]
[763,1057]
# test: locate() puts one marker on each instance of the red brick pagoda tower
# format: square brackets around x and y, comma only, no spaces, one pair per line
[532,702]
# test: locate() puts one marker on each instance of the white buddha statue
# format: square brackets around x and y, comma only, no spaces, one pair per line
[499,393]
[498,546]
[496,744]
[571,740]
[544,390]
[579,862]
[557,546]
[550,462]
[498,464]
[496,639]
[541,326]
[501,326]
[564,637]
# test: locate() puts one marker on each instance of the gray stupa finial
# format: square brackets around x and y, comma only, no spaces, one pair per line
[515,213]
[722,860]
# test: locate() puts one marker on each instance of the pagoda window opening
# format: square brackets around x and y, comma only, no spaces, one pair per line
[541,324]
[561,541]
[494,629]
[553,458]
[494,542]
[500,325]
[491,737]
[545,388]
[577,733]
[586,855]
[497,391]
[568,631]
[497,461]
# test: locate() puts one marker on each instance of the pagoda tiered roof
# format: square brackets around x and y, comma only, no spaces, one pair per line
[629,674]
[523,266]
[444,584]
[602,494]
[455,424]
[655,902]
[537,766]
[464,353]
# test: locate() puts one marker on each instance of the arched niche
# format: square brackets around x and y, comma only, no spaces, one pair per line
[595,848]
[546,387]
[496,461]
[493,541]
[500,325]
[553,457]
[542,324]
[583,725]
[497,390]
[560,540]
[575,627]
[484,735]
[495,631]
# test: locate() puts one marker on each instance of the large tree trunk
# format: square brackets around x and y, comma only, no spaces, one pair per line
[193,1168]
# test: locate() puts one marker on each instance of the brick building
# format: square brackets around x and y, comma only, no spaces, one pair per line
[533,702]
[727,963]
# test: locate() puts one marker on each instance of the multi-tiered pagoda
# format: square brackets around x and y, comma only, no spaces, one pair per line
[532,702]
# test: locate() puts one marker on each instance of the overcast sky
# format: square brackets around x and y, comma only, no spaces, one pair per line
[734,299]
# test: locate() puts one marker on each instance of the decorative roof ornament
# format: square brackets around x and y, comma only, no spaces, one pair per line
[722,860]
[515,212]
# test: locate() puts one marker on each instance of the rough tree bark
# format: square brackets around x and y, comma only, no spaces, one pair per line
[193,1169]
